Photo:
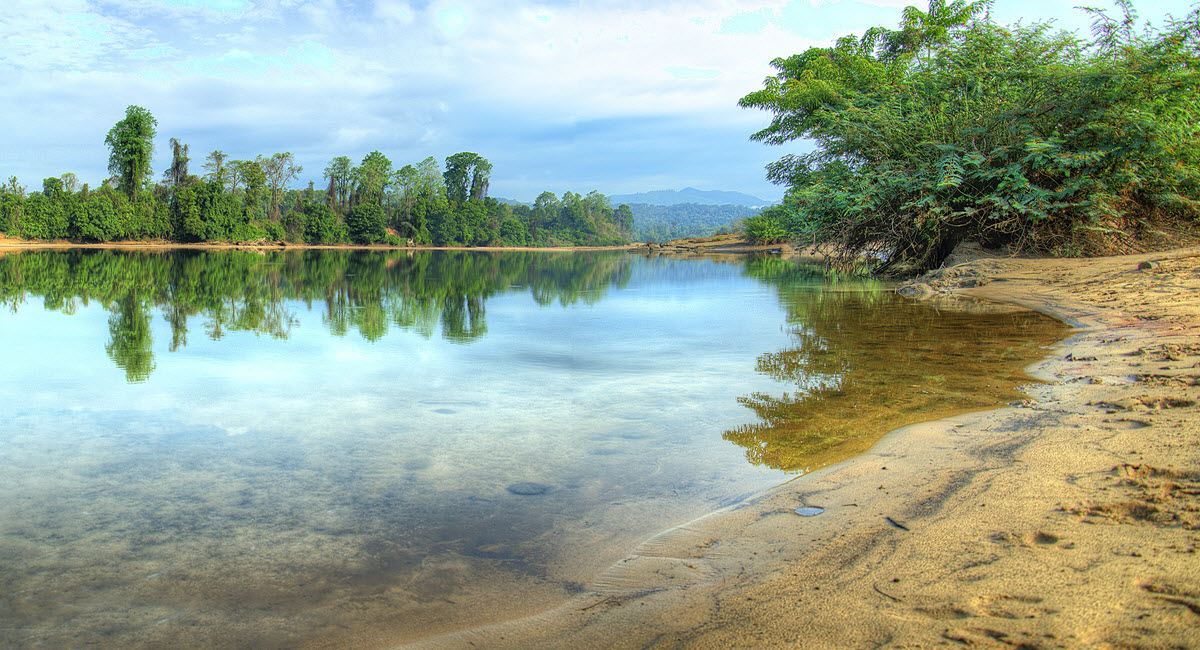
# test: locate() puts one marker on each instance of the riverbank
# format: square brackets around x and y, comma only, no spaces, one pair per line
[9,244]
[1071,519]
[698,246]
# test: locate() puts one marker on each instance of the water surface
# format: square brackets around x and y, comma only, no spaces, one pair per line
[238,449]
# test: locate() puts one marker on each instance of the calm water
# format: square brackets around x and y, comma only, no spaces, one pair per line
[306,448]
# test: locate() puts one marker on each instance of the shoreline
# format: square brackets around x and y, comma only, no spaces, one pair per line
[7,244]
[1070,519]
[716,244]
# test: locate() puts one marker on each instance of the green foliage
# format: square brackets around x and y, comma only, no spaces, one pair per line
[512,233]
[177,174]
[446,225]
[43,218]
[954,128]
[365,224]
[371,179]
[131,147]
[270,230]
[130,343]
[320,224]
[466,176]
[248,201]
[776,224]
[216,170]
[278,170]
[185,213]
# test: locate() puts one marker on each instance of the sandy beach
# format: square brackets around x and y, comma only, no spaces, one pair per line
[1070,519]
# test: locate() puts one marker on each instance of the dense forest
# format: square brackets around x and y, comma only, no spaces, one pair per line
[249,201]
[660,223]
[953,127]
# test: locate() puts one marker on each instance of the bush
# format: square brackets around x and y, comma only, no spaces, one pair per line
[512,233]
[765,228]
[320,224]
[43,218]
[365,224]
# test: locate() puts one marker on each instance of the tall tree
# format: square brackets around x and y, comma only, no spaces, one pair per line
[338,174]
[131,148]
[176,175]
[623,218]
[249,173]
[279,170]
[467,176]
[406,184]
[215,166]
[70,183]
[371,178]
[430,178]
[52,187]
[545,213]
[15,188]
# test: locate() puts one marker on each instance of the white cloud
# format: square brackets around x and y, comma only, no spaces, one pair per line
[563,95]
[209,5]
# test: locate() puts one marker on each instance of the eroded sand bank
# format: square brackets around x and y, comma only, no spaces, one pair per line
[1069,520]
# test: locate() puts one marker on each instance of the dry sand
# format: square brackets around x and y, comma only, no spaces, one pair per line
[1070,520]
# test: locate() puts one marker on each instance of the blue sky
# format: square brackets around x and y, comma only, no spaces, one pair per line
[617,96]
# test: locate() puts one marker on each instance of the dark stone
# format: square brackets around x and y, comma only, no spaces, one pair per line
[528,489]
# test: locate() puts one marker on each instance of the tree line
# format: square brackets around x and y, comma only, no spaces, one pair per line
[953,127]
[250,200]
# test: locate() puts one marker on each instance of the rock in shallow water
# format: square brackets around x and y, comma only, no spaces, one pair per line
[528,489]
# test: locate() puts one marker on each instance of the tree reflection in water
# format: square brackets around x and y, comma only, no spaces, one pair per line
[865,361]
[363,291]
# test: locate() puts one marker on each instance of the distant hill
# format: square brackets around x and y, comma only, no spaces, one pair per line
[684,213]
[690,195]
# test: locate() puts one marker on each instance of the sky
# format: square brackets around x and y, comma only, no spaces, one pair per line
[621,96]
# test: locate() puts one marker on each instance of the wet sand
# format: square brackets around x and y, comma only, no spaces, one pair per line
[1070,519]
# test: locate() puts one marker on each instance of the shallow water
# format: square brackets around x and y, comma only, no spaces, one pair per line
[307,448]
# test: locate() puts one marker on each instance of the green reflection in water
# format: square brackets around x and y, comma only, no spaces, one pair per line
[865,361]
[363,291]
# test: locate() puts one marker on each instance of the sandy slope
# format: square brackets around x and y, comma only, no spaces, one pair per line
[1071,520]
